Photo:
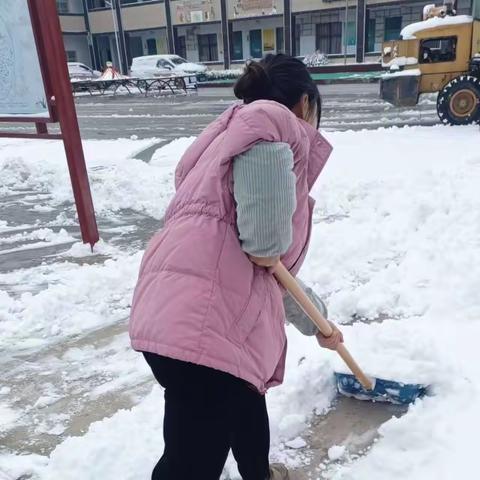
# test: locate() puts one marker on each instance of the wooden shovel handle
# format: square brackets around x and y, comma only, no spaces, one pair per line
[294,289]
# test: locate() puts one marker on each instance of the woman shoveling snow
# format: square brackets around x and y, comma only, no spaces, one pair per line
[208,313]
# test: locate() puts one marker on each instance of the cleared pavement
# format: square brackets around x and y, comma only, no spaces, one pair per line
[345,107]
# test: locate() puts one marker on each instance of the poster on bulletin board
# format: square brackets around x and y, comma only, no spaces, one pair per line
[22,91]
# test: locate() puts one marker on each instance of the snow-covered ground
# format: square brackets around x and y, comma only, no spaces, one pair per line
[394,252]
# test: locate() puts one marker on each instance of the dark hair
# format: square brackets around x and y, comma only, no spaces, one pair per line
[281,78]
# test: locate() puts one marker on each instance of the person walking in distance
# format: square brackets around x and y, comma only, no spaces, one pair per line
[207,313]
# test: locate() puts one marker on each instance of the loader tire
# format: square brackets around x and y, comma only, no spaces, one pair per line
[459,101]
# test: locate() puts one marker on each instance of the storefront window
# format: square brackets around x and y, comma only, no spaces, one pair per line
[208,47]
[269,40]
[237,46]
[151,46]
[371,35]
[104,51]
[181,46]
[256,43]
[280,40]
[351,34]
[475,9]
[96,4]
[393,27]
[71,55]
[62,6]
[134,47]
[329,37]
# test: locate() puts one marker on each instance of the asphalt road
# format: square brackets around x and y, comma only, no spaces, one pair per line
[346,107]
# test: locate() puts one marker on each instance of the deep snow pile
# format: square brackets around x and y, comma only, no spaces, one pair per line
[407,248]
[396,239]
[42,167]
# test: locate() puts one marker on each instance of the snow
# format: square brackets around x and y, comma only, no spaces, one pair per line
[36,116]
[427,9]
[136,456]
[8,417]
[400,61]
[411,72]
[296,443]
[221,74]
[394,246]
[336,452]
[316,59]
[410,31]
[75,300]
[425,228]
[166,158]
[24,165]
[82,250]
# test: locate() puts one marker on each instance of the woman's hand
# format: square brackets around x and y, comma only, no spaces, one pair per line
[266,262]
[333,340]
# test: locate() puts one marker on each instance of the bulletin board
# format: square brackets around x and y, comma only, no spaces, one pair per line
[35,88]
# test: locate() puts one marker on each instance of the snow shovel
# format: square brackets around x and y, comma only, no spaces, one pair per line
[358,385]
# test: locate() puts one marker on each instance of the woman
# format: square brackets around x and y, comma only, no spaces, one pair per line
[207,311]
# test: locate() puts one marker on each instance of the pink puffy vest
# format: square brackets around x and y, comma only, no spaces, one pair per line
[199,298]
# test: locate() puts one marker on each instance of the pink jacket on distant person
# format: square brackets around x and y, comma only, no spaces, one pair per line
[199,298]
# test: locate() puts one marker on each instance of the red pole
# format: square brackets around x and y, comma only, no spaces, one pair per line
[56,59]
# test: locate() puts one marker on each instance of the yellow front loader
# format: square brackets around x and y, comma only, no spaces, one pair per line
[440,54]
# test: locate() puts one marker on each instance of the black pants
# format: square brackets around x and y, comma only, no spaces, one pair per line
[207,412]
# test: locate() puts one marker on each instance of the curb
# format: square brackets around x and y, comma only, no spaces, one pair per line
[337,81]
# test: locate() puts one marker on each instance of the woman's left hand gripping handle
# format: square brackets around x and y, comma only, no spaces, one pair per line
[333,341]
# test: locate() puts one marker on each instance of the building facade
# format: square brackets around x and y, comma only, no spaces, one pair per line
[222,33]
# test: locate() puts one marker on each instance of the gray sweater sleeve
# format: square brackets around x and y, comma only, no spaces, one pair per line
[264,190]
[297,316]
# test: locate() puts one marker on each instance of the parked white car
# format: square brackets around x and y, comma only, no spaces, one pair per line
[80,71]
[150,66]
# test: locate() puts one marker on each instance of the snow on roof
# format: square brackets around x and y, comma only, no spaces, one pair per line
[409,31]
[155,57]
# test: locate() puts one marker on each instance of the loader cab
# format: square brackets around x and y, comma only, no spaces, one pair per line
[438,50]
[443,55]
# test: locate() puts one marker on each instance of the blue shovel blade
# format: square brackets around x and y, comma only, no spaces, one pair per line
[384,390]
